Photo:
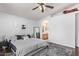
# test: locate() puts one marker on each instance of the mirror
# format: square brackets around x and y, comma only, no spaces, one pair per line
[36,32]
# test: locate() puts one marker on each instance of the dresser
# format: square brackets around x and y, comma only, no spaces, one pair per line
[45,36]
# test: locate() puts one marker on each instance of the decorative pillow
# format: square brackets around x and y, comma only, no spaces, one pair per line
[19,37]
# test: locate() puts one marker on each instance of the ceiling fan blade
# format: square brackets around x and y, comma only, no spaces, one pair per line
[41,3]
[49,6]
[42,8]
[35,8]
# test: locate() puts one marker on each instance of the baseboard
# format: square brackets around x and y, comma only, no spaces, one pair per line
[76,47]
[61,45]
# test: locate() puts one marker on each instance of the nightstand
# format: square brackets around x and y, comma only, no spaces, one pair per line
[4,49]
[45,36]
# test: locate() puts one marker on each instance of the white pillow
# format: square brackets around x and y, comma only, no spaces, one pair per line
[25,37]
[13,38]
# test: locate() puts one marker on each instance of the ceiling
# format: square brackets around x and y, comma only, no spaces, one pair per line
[25,9]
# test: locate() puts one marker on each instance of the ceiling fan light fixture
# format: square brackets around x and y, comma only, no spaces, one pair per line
[42,7]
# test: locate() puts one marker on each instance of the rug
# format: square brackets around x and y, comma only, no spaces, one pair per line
[55,50]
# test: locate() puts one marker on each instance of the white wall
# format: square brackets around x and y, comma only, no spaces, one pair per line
[62,29]
[11,25]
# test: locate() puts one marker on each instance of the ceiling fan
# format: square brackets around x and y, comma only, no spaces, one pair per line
[42,6]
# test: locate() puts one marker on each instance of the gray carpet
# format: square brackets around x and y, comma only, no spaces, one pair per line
[55,50]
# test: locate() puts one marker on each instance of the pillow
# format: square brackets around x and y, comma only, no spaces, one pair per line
[13,38]
[19,37]
[29,36]
[25,37]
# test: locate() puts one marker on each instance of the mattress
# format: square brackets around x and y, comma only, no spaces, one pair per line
[25,46]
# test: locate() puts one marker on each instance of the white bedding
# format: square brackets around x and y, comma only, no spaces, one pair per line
[25,46]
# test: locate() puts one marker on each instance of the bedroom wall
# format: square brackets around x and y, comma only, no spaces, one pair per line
[10,25]
[62,29]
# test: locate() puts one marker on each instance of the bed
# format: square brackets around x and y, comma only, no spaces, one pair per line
[23,47]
